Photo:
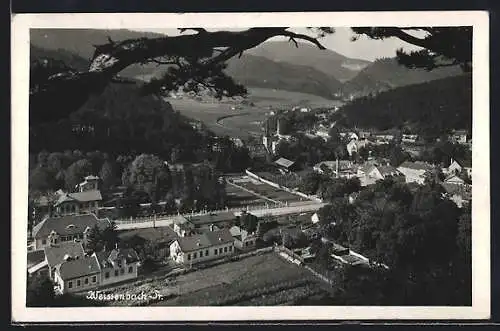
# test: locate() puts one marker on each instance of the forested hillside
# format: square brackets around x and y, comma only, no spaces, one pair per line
[259,71]
[427,108]
[385,74]
[326,61]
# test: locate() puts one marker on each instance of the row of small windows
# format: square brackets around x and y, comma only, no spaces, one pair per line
[216,251]
[85,281]
[119,272]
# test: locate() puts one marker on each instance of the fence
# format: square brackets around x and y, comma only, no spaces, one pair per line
[295,258]
[133,220]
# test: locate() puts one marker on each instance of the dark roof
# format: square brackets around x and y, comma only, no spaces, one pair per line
[68,225]
[158,234]
[388,170]
[78,268]
[447,179]
[205,240]
[416,165]
[284,162]
[55,254]
[35,257]
[106,257]
[85,196]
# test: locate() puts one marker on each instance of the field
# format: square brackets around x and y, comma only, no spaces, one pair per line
[242,123]
[259,280]
[266,190]
[239,198]
[255,281]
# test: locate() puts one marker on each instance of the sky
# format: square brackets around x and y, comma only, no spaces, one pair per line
[340,42]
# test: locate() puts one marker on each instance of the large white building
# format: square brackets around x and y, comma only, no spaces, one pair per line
[202,247]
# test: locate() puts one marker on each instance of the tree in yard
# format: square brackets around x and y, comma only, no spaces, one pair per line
[41,179]
[248,222]
[148,173]
[76,172]
[99,239]
[108,174]
[40,292]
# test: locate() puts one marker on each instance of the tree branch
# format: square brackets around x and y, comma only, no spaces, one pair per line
[111,58]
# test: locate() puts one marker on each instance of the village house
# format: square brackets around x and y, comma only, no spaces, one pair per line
[86,200]
[243,240]
[384,172]
[285,165]
[454,179]
[355,145]
[117,265]
[76,274]
[383,137]
[159,237]
[415,172]
[56,254]
[349,136]
[339,168]
[456,167]
[55,230]
[73,271]
[202,247]
[459,136]
[322,133]
[182,227]
[409,138]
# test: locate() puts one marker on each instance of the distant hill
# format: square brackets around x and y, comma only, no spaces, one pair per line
[70,59]
[426,108]
[81,42]
[326,61]
[385,74]
[258,71]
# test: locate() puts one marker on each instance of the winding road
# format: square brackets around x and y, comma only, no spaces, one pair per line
[220,123]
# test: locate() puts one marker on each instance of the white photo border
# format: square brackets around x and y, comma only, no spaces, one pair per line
[21,24]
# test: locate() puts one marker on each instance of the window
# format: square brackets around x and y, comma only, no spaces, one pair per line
[225,249]
[86,281]
[189,257]
[116,273]
[206,252]
[130,270]
[70,284]
[44,242]
[230,248]
[220,250]
[246,243]
[94,279]
[78,283]
[122,271]
[194,255]
[106,275]
[201,253]
[215,251]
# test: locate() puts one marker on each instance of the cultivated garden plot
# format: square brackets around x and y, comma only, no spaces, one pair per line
[257,280]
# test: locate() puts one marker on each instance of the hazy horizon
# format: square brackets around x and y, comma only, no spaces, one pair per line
[339,42]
